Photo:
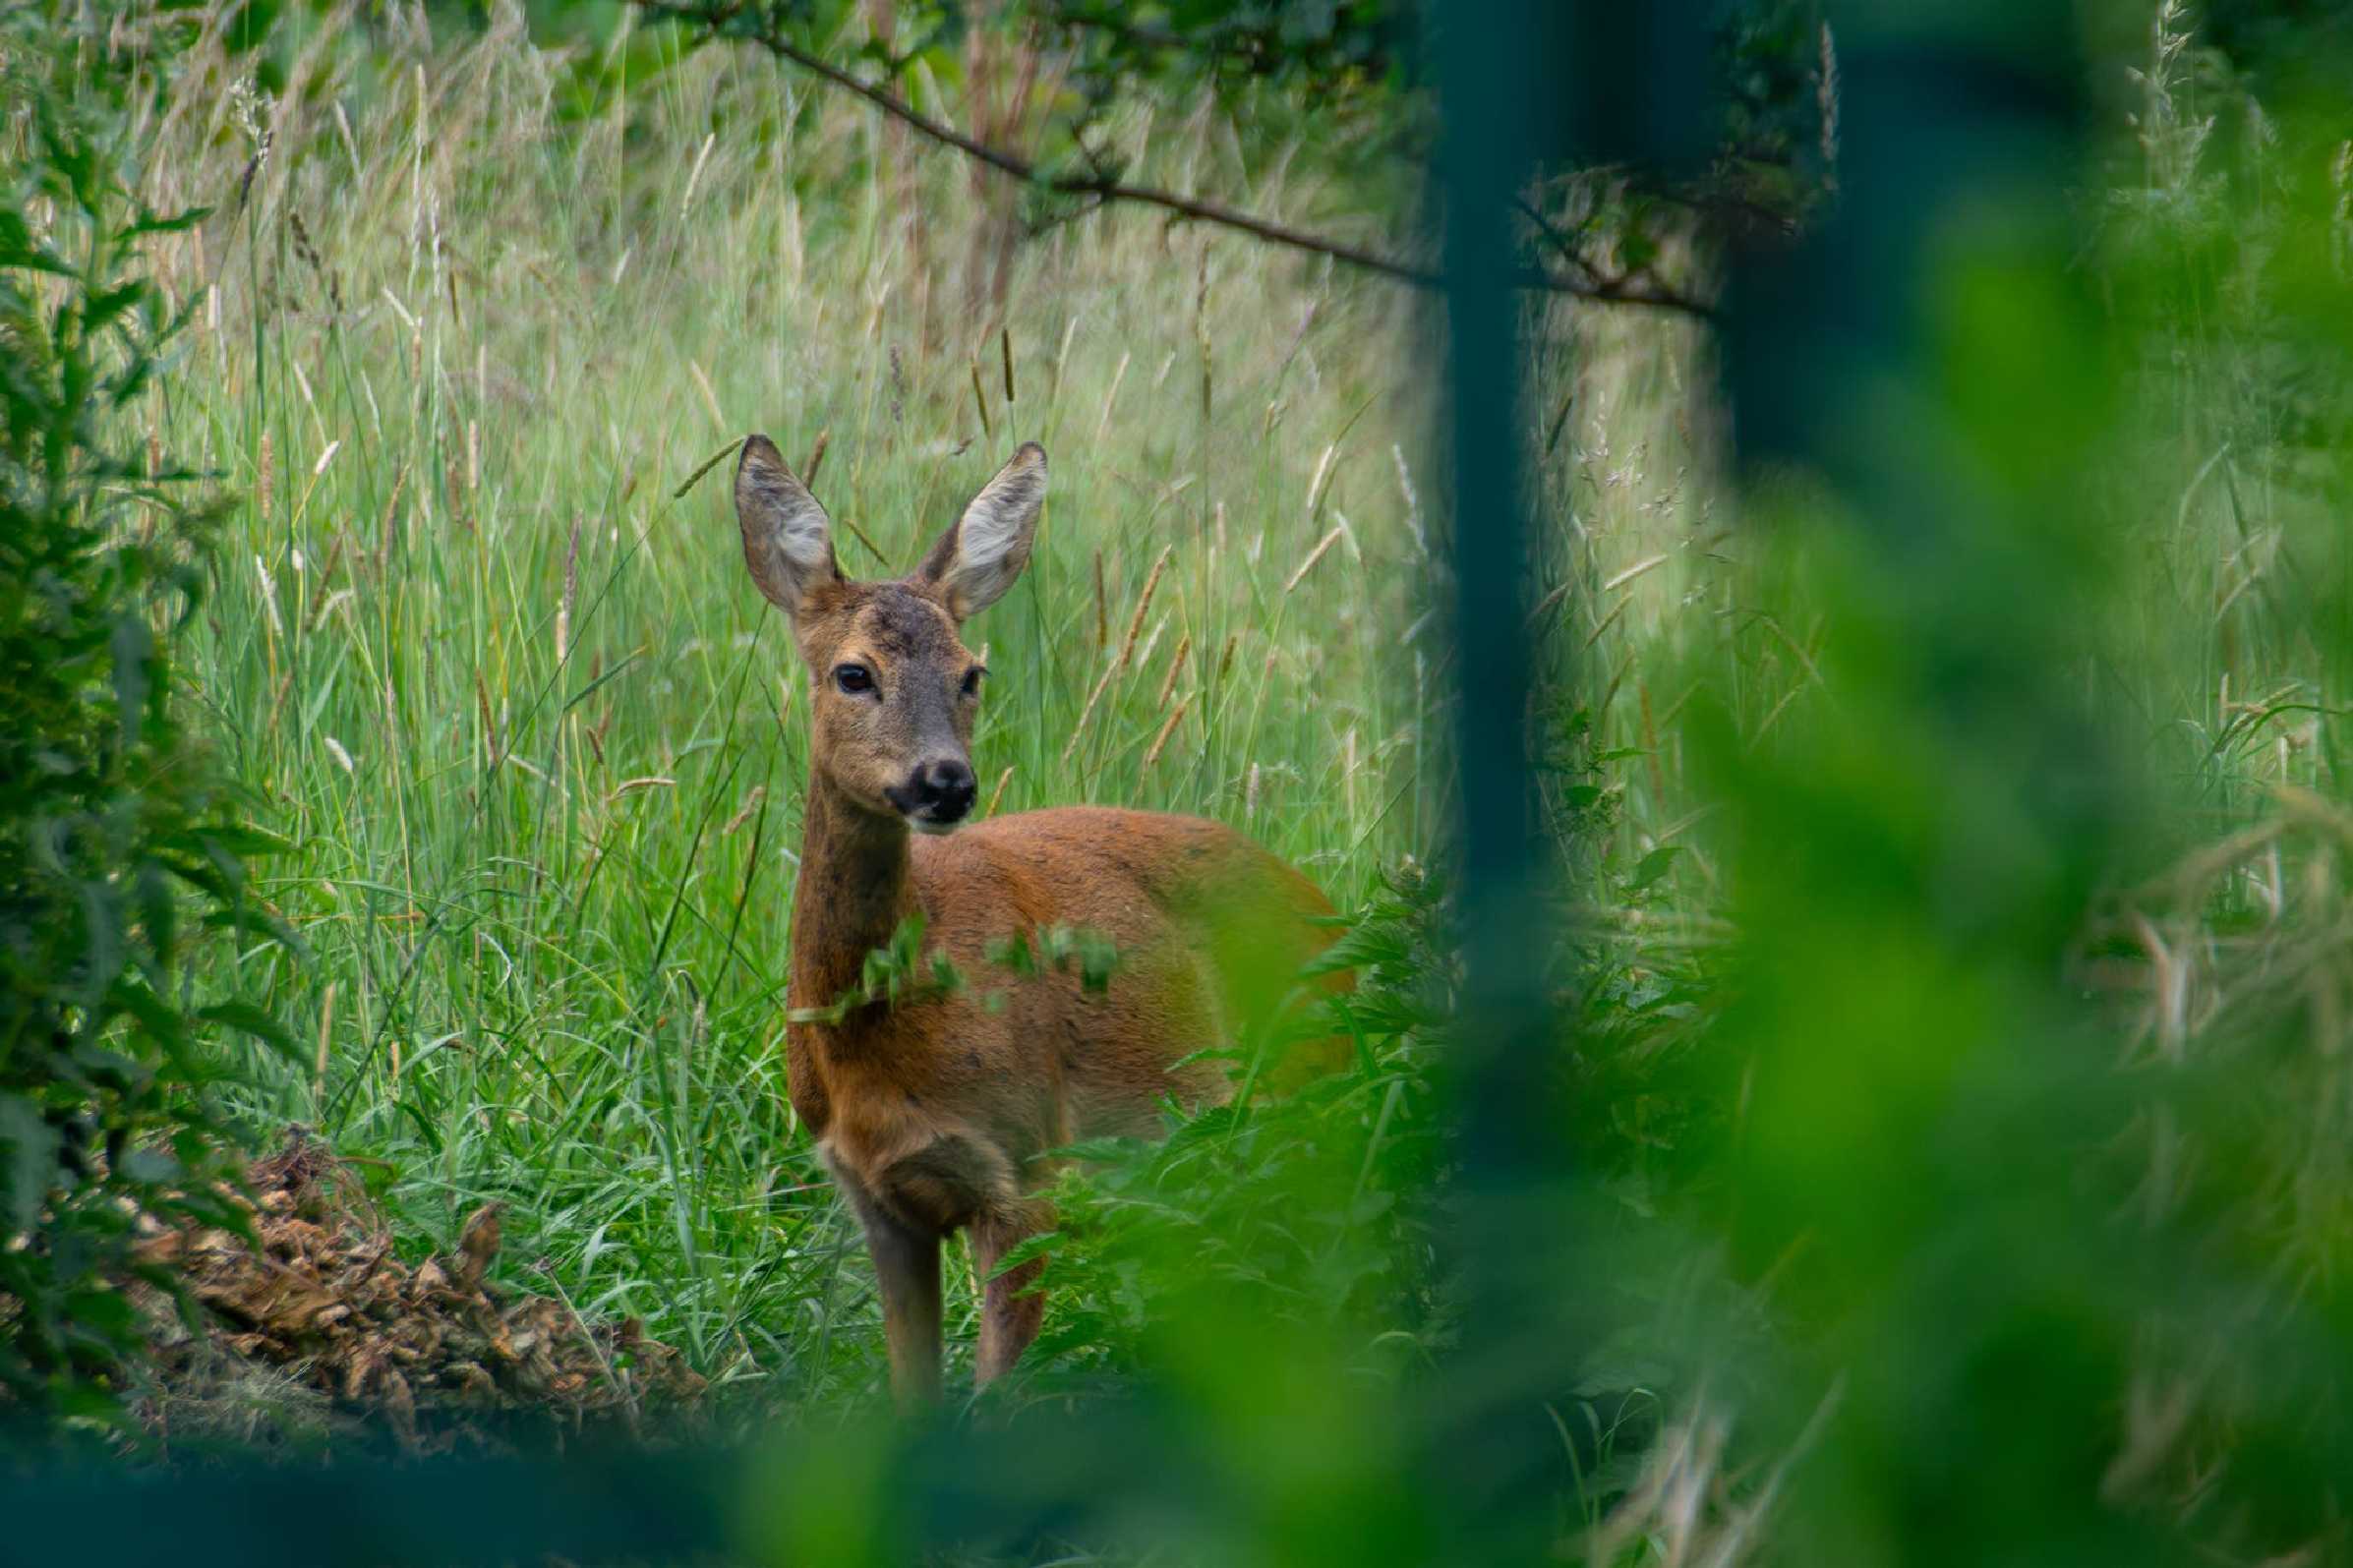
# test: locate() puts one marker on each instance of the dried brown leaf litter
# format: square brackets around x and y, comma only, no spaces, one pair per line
[315,1326]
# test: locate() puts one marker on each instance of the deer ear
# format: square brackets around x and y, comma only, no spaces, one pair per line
[788,540]
[978,560]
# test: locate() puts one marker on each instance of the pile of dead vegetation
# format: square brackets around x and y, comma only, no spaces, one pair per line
[312,1330]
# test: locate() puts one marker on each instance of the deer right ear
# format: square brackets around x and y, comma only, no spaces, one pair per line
[788,540]
[977,558]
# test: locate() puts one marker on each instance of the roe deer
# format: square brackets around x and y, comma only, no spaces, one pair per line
[933,1114]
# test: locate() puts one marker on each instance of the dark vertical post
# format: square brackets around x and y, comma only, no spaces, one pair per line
[1492,55]
[1521,83]
[1489,129]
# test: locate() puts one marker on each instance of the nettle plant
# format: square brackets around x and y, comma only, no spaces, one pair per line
[117,844]
[1309,1210]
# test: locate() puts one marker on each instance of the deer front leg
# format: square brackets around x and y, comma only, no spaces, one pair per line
[1011,1310]
[906,1264]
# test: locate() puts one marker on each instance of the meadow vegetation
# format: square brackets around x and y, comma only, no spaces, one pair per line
[476,310]
[495,665]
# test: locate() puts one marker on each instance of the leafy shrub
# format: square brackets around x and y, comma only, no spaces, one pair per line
[1311,1207]
[114,837]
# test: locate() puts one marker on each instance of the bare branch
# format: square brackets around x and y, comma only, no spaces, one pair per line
[1102,186]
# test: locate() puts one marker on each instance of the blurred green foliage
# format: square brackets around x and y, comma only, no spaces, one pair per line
[1310,1209]
[118,841]
[2031,1266]
[1955,1082]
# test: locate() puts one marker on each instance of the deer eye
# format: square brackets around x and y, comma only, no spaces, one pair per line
[971,680]
[853,679]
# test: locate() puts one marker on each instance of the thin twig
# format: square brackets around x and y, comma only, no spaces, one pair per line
[731,21]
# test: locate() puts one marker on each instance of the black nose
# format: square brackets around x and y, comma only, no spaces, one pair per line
[943,790]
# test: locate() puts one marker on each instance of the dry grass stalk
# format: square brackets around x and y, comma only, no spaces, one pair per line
[694,175]
[1313,556]
[489,724]
[1650,742]
[1087,712]
[270,598]
[1143,603]
[1070,331]
[1545,605]
[702,384]
[751,804]
[1127,649]
[571,589]
[327,1030]
[1201,336]
[711,462]
[1151,640]
[860,534]
[1412,499]
[1167,729]
[1601,627]
[384,527]
[329,605]
[1176,667]
[302,507]
[1102,426]
[1321,480]
[1647,564]
[998,793]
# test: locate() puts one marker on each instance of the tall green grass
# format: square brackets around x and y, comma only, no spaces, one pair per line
[494,665]
[484,308]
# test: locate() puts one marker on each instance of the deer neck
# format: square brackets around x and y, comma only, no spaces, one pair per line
[854,886]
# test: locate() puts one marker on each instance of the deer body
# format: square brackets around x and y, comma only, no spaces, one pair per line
[933,1114]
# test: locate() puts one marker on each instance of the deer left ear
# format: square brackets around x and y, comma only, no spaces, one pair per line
[788,540]
[978,560]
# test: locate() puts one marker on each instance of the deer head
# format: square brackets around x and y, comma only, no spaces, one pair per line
[892,691]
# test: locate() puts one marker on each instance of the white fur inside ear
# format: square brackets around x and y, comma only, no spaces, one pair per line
[805,535]
[987,535]
[990,544]
[787,541]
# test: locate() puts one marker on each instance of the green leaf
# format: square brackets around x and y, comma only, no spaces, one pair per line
[1362,946]
[18,249]
[247,1018]
[99,310]
[1041,1244]
[1651,866]
[174,223]
[247,839]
